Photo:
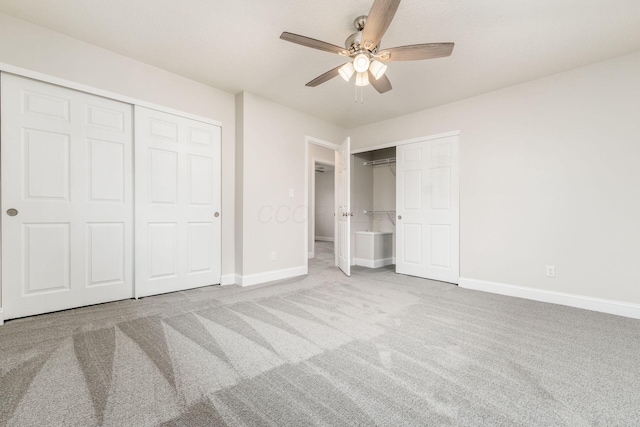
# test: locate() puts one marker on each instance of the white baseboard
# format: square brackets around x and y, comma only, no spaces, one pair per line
[1,317]
[311,255]
[373,263]
[229,279]
[270,276]
[618,308]
[325,239]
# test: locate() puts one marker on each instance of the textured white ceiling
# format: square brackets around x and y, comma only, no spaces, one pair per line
[234,45]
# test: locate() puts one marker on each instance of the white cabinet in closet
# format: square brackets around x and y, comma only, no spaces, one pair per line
[177,173]
[67,198]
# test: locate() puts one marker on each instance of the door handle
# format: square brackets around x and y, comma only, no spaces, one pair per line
[12,212]
[217,214]
[399,216]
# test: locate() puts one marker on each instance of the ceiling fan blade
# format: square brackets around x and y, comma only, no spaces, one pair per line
[378,20]
[313,43]
[416,52]
[324,77]
[382,85]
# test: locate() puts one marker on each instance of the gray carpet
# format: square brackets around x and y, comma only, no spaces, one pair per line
[324,349]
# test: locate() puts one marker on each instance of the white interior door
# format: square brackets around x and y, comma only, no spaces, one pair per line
[177,162]
[67,198]
[343,208]
[427,199]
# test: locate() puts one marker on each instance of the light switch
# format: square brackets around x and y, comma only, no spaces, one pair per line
[291,193]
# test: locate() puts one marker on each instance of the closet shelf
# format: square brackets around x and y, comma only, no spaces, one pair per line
[380,162]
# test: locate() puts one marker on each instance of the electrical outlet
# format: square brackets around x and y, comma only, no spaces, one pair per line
[273,256]
[551,271]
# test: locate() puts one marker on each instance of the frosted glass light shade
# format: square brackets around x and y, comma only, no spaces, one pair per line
[378,69]
[361,63]
[346,71]
[362,79]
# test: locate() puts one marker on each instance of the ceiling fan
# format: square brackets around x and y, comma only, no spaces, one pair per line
[363,48]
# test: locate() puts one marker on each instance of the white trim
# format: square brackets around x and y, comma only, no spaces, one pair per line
[270,276]
[316,141]
[1,317]
[406,141]
[618,308]
[325,239]
[371,263]
[12,69]
[311,255]
[229,279]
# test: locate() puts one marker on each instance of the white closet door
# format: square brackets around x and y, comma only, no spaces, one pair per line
[343,193]
[67,202]
[177,162]
[427,198]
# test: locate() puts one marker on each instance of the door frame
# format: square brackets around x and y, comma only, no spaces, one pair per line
[405,141]
[316,141]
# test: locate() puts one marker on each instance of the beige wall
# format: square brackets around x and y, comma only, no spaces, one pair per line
[549,176]
[273,149]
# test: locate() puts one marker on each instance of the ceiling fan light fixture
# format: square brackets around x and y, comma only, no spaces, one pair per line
[361,63]
[378,69]
[362,79]
[346,71]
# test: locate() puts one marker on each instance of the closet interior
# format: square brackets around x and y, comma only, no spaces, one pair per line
[373,201]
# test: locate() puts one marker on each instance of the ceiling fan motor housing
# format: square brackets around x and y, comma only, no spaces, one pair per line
[353,44]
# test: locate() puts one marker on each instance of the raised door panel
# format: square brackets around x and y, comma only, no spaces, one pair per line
[47,258]
[163,130]
[163,178]
[46,106]
[47,165]
[440,246]
[412,243]
[163,250]
[412,191]
[200,247]
[200,171]
[107,172]
[441,188]
[106,254]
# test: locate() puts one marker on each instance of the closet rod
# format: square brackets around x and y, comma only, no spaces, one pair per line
[380,162]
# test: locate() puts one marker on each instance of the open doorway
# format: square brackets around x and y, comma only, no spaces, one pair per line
[322,210]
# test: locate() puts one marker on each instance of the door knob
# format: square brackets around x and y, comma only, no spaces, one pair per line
[12,212]
[217,214]
[399,216]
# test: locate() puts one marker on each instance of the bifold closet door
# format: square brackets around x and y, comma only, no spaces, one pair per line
[67,198]
[177,173]
[427,205]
